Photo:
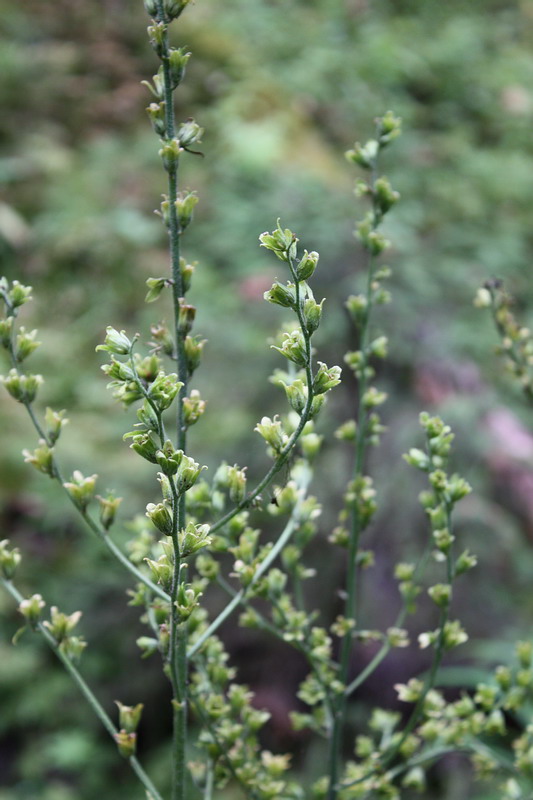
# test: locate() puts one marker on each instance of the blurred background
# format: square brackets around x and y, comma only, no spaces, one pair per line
[283,88]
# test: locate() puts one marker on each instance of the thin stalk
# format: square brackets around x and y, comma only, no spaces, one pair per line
[87,693]
[99,530]
[350,611]
[304,418]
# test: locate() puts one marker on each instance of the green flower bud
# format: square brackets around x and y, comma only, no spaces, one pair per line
[347,432]
[372,240]
[384,195]
[6,329]
[458,488]
[9,559]
[185,205]
[312,312]
[296,395]
[187,271]
[54,420]
[156,35]
[126,743]
[443,540]
[272,432]
[22,388]
[365,155]
[166,488]
[307,265]
[193,538]
[164,389]
[151,7]
[170,153]
[441,594]
[389,127]
[61,624]
[161,516]
[177,61]
[186,317]
[108,509]
[465,562]
[162,571]
[357,305]
[379,347]
[115,342]
[415,778]
[189,133]
[397,637]
[524,652]
[155,287]
[193,352]
[237,483]
[281,295]
[31,609]
[207,566]
[148,645]
[326,378]
[168,458]
[173,8]
[418,459]
[372,397]
[293,348]
[42,458]
[81,489]
[193,408]
[187,601]
[162,336]
[143,444]
[25,344]
[483,298]
[18,294]
[282,242]
[129,716]
[188,473]
[73,647]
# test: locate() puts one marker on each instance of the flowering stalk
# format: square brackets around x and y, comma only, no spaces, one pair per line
[367,425]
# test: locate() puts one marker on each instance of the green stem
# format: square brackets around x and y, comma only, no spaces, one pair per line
[87,693]
[350,611]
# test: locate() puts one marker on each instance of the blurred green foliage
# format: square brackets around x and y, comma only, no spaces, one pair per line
[282,87]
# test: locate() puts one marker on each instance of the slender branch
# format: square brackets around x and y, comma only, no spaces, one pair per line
[86,691]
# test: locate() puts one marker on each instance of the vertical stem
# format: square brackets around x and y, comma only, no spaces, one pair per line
[178,630]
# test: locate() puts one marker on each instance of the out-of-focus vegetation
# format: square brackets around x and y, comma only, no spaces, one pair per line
[282,87]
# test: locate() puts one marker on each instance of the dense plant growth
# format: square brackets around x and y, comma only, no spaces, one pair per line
[201,532]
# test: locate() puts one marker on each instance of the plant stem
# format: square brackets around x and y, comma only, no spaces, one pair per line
[86,691]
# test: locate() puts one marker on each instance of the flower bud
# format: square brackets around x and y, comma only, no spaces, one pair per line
[170,153]
[155,287]
[193,538]
[307,265]
[126,743]
[61,624]
[22,388]
[109,506]
[326,378]
[148,645]
[384,195]
[189,133]
[186,317]
[42,458]
[389,127]
[357,305]
[193,407]
[296,395]
[162,571]
[156,35]
[161,516]
[115,342]
[31,609]
[151,7]
[465,562]
[272,432]
[173,8]
[185,205]
[188,473]
[168,458]
[9,559]
[237,483]
[177,61]
[281,295]
[81,489]
[144,445]
[365,155]
[164,389]
[18,294]
[312,312]
[441,594]
[293,348]
[187,601]
[54,420]
[372,397]
[25,344]
[6,328]
[282,242]
[73,647]
[129,716]
[193,352]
